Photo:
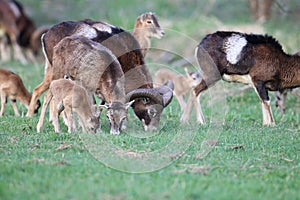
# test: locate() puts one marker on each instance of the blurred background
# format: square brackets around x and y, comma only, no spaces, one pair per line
[193,18]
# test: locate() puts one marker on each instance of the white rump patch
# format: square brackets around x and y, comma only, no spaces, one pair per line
[102,27]
[233,47]
[14,9]
[246,79]
[86,31]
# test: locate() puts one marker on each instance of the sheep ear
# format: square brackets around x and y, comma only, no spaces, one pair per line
[140,19]
[186,72]
[129,104]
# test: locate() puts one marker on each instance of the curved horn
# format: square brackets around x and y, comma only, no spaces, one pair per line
[145,92]
[166,91]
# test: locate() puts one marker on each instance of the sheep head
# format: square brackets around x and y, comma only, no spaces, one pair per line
[150,102]
[117,114]
[93,124]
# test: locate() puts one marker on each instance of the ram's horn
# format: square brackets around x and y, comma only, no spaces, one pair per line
[161,95]
[167,92]
[145,92]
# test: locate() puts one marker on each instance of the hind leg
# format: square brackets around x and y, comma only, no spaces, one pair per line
[14,105]
[3,103]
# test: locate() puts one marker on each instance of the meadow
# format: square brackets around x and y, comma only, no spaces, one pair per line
[233,156]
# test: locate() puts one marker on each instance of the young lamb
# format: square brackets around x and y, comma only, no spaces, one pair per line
[146,26]
[256,60]
[183,85]
[12,87]
[71,98]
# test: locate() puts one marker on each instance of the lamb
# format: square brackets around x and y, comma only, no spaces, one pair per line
[182,86]
[256,60]
[12,87]
[123,45]
[72,98]
[146,27]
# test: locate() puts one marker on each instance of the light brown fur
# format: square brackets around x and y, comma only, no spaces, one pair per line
[183,85]
[72,98]
[12,87]
[146,27]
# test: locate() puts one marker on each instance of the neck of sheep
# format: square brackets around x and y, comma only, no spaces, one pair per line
[143,39]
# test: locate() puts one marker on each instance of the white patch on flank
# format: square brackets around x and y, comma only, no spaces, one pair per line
[233,47]
[14,9]
[86,31]
[102,27]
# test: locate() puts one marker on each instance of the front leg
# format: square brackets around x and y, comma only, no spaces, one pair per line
[15,108]
[265,103]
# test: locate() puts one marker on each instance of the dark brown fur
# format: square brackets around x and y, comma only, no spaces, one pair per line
[263,59]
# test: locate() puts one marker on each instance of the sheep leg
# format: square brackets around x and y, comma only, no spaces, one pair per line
[14,105]
[4,49]
[31,56]
[67,112]
[265,103]
[47,100]
[70,119]
[280,100]
[187,111]
[181,102]
[199,113]
[18,54]
[3,103]
[40,89]
[55,120]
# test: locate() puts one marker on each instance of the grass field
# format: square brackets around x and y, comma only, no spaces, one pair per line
[231,157]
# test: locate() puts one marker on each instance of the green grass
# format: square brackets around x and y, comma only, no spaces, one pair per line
[248,161]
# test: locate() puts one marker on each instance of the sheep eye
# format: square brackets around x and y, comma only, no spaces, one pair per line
[149,22]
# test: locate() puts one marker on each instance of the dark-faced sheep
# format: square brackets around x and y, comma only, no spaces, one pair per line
[256,60]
